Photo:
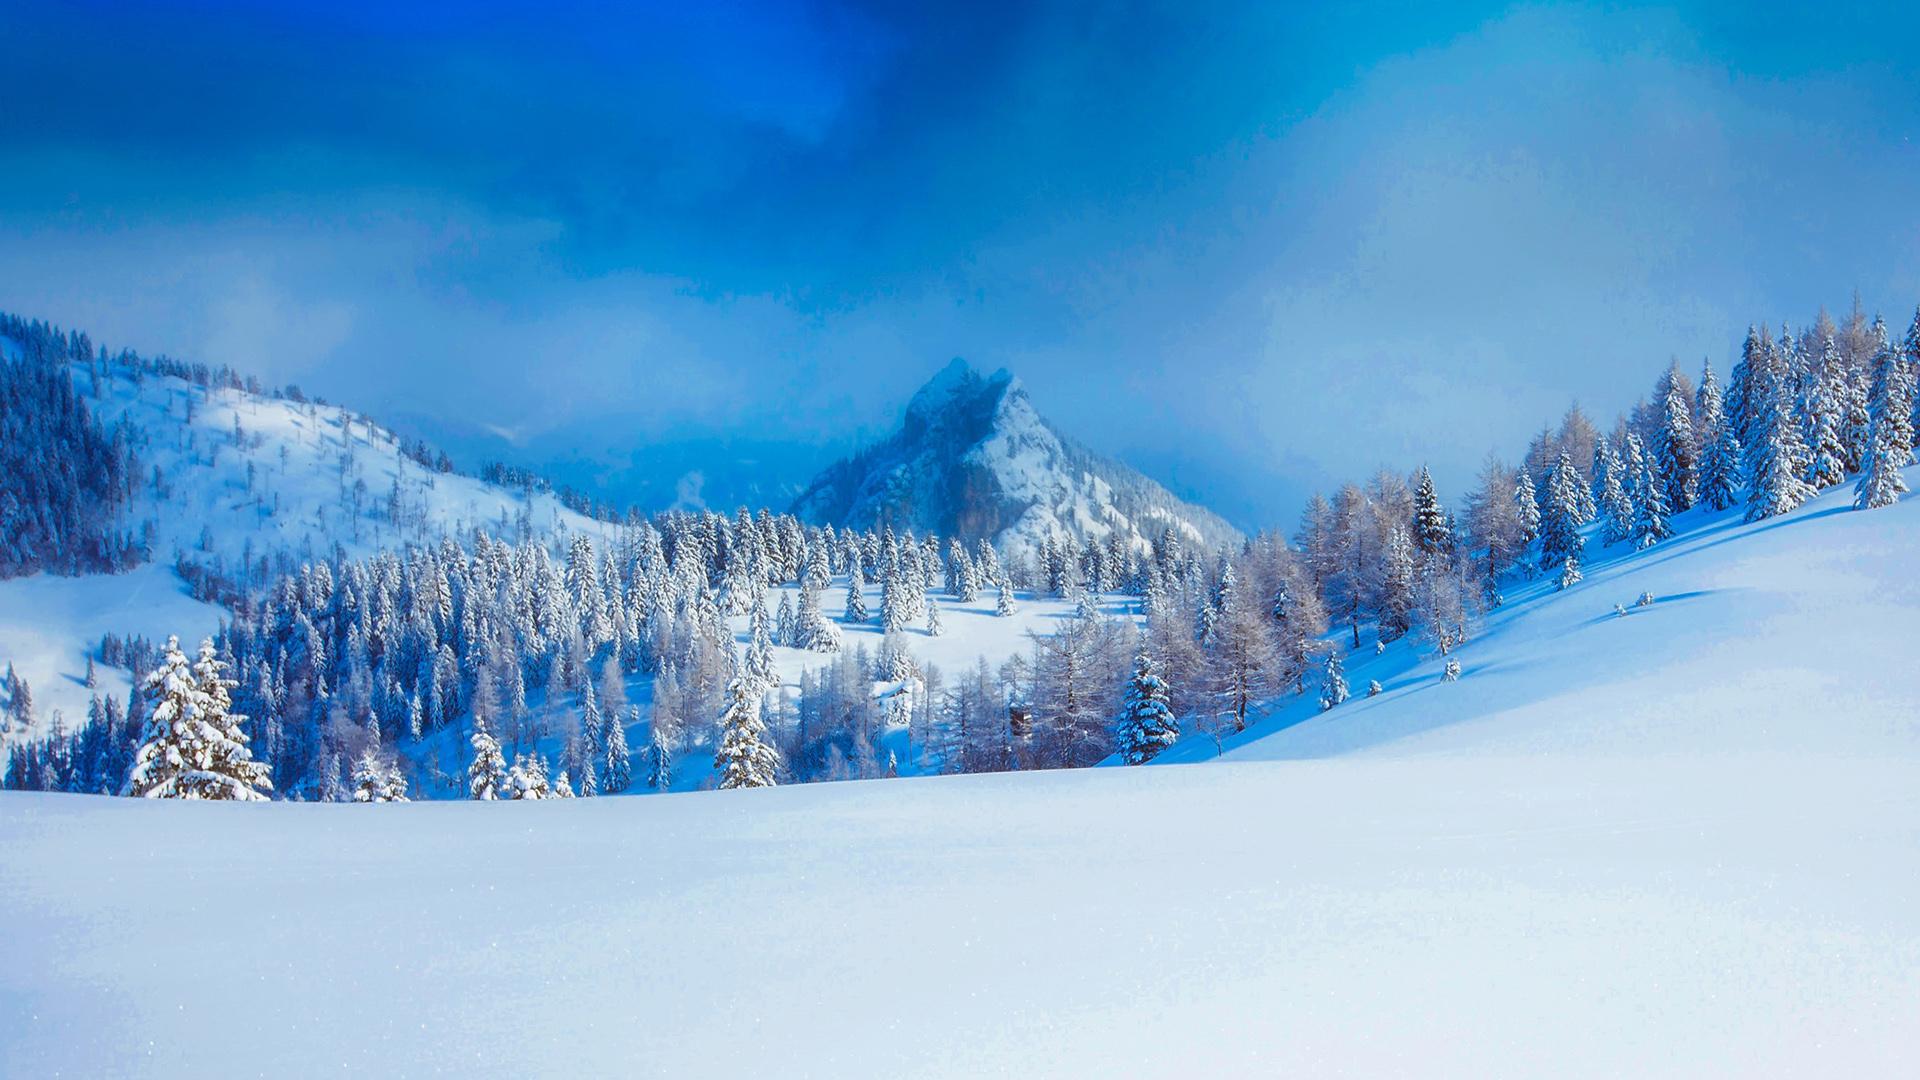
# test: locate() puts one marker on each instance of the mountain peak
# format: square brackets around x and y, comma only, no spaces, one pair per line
[974,459]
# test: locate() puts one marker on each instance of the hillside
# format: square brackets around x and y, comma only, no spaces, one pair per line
[975,459]
[238,487]
[1676,842]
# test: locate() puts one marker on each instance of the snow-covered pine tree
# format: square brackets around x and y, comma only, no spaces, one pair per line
[1003,605]
[377,777]
[934,627]
[1147,723]
[1570,571]
[1675,453]
[856,609]
[759,658]
[193,747]
[1560,517]
[1777,458]
[659,760]
[527,780]
[1890,445]
[1527,508]
[1720,454]
[745,758]
[1333,685]
[1650,525]
[893,602]
[812,629]
[1432,532]
[785,629]
[486,775]
[616,765]
[1823,412]
[1616,509]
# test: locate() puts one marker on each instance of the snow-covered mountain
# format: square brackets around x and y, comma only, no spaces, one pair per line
[974,459]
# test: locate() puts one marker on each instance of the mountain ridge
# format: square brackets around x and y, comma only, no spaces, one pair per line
[974,459]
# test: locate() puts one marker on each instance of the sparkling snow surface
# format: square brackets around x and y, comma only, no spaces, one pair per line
[1680,842]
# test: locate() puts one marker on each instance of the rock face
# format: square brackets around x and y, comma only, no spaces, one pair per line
[975,460]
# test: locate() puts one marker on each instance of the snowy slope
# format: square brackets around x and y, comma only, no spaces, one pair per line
[284,487]
[1675,843]
[1793,635]
[974,459]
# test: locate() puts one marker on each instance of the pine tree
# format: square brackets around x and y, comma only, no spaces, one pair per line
[377,777]
[1560,518]
[1003,606]
[527,780]
[813,631]
[616,764]
[1777,458]
[1721,455]
[193,747]
[759,659]
[856,611]
[1675,455]
[486,775]
[1570,571]
[1432,533]
[744,759]
[1822,415]
[1650,525]
[1616,508]
[1147,723]
[1527,508]
[1890,445]
[659,760]
[1333,687]
[934,628]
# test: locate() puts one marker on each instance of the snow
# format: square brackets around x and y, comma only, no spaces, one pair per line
[1794,634]
[1674,842]
[305,457]
[49,624]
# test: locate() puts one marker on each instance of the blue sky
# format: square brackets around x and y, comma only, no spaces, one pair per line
[1254,250]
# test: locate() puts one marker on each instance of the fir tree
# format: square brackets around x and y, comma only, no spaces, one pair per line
[856,611]
[1527,509]
[1675,455]
[1823,413]
[1721,455]
[1432,532]
[377,777]
[1560,518]
[1333,685]
[813,631]
[1003,606]
[1570,571]
[1650,525]
[1147,723]
[486,775]
[659,760]
[616,763]
[745,758]
[193,747]
[527,780]
[1616,509]
[759,658]
[1777,459]
[1890,445]
[934,628]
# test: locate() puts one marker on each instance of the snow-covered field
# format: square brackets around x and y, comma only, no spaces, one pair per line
[1677,843]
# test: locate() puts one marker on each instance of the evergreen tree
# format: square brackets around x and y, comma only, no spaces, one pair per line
[1570,571]
[659,760]
[1650,525]
[745,758]
[486,775]
[1333,686]
[193,747]
[1526,508]
[1147,723]
[377,777]
[1822,416]
[812,629]
[1003,606]
[527,780]
[759,659]
[934,628]
[1675,453]
[616,763]
[1890,445]
[1560,518]
[1616,508]
[1432,532]
[1777,458]
[1721,455]
[856,611]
